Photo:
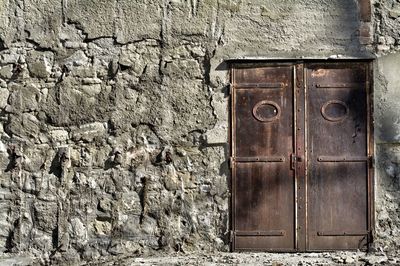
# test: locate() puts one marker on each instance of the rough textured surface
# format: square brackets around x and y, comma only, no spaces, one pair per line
[387,129]
[114,117]
[387,137]
[221,258]
[333,258]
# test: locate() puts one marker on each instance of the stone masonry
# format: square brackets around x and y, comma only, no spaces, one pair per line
[114,116]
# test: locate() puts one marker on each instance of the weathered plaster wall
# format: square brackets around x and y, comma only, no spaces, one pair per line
[114,115]
[387,128]
[387,122]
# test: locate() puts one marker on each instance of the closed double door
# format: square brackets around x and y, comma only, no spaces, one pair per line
[301,156]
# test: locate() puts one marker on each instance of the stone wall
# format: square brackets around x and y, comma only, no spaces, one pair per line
[114,115]
[387,124]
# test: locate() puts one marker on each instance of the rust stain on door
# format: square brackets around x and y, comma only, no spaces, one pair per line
[300,157]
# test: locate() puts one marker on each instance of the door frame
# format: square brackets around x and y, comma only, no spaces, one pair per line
[299,95]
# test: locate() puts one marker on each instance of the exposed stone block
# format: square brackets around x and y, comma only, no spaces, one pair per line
[40,63]
[23,98]
[6,71]
[4,94]
[59,135]
[395,11]
[88,132]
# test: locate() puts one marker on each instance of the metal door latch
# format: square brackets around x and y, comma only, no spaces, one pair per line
[293,159]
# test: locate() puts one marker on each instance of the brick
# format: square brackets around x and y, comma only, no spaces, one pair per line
[365,10]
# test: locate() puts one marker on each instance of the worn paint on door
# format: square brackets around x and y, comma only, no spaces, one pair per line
[301,151]
[263,142]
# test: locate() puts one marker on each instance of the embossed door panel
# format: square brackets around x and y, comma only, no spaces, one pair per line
[301,156]
[338,160]
[263,141]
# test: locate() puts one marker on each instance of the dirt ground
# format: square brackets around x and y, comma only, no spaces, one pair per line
[354,258]
[275,259]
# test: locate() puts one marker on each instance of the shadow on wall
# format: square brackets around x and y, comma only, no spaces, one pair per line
[388,197]
[389,167]
[389,125]
[387,176]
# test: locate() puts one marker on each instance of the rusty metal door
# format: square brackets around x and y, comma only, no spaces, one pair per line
[338,156]
[301,175]
[263,183]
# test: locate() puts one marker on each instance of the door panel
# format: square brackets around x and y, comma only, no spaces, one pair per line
[263,142]
[337,157]
[300,176]
[264,209]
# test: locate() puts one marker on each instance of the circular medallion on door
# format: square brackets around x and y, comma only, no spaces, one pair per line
[266,111]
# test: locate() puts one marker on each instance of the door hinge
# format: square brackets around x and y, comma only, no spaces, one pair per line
[371,235]
[371,161]
[231,161]
[229,88]
[231,236]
